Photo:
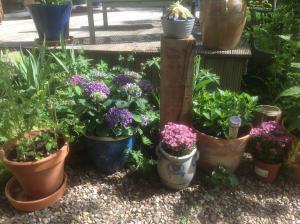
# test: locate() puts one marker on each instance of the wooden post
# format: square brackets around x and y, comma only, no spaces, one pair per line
[1,12]
[91,22]
[176,81]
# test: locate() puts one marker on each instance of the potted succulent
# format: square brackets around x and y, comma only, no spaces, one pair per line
[215,114]
[177,155]
[51,18]
[113,108]
[179,22]
[222,23]
[269,145]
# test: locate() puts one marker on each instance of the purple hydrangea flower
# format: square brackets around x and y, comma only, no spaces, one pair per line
[118,117]
[146,86]
[122,80]
[77,80]
[95,86]
[132,89]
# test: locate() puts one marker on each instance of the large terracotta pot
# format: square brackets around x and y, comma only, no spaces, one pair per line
[266,172]
[41,178]
[220,152]
[222,23]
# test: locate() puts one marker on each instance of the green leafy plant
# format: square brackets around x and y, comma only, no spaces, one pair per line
[220,179]
[212,109]
[140,163]
[176,11]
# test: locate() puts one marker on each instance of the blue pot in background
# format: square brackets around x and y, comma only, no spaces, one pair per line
[51,21]
[108,154]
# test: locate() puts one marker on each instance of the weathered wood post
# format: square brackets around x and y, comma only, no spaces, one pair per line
[1,12]
[176,81]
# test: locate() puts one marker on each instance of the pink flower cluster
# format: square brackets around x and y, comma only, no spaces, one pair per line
[273,132]
[178,137]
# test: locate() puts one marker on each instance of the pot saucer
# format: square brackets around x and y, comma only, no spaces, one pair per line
[18,199]
[54,43]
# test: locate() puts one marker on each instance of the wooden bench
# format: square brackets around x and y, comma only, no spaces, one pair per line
[124,4]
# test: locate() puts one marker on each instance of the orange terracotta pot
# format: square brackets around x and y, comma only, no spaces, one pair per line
[41,178]
[19,200]
[222,23]
[295,173]
[266,172]
[216,152]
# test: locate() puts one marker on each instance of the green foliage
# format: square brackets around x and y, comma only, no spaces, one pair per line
[221,178]
[178,11]
[32,148]
[212,109]
[140,163]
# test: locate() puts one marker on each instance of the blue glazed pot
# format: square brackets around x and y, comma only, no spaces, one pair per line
[108,154]
[51,21]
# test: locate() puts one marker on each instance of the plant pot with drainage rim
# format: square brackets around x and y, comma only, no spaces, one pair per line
[40,172]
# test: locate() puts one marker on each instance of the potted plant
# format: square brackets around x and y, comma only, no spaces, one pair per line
[177,155]
[51,18]
[212,110]
[269,146]
[179,22]
[222,23]
[113,109]
[35,130]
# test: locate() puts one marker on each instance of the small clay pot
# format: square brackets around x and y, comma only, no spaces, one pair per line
[266,172]
[220,152]
[41,178]
[295,173]
[19,200]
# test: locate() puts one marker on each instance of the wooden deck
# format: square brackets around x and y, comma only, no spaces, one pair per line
[136,29]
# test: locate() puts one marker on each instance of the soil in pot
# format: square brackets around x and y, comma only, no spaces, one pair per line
[266,172]
[39,178]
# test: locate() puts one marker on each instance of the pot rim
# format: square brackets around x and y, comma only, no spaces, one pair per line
[107,139]
[43,160]
[178,20]
[177,158]
[222,139]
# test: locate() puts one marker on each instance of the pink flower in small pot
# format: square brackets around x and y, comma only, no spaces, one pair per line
[178,139]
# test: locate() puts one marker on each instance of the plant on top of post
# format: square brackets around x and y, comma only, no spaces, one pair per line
[179,21]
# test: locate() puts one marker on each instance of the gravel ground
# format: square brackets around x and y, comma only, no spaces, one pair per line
[121,198]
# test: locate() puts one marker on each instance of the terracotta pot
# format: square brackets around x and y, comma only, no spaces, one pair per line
[295,173]
[19,200]
[266,172]
[41,178]
[222,23]
[220,152]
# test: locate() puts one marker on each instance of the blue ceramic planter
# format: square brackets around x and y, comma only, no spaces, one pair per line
[51,21]
[108,154]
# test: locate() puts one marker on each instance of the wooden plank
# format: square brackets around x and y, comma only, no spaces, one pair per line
[176,84]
